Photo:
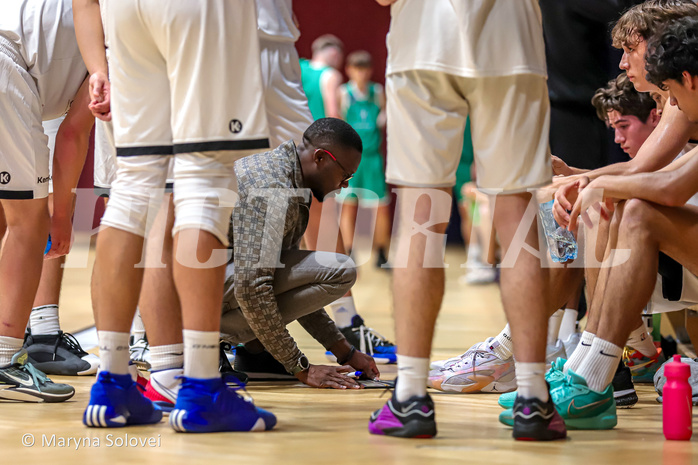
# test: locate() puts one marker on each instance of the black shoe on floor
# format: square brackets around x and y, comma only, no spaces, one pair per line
[381,259]
[261,366]
[224,364]
[59,354]
[623,388]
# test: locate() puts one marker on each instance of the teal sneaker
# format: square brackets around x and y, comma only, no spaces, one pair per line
[554,377]
[579,406]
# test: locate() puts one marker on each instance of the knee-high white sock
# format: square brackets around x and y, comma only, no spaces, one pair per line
[113,352]
[554,323]
[580,352]
[505,349]
[640,339]
[201,352]
[412,375]
[9,346]
[137,327]
[600,364]
[568,325]
[530,379]
[44,320]
[343,310]
[166,356]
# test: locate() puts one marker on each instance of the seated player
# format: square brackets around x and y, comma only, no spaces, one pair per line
[43,73]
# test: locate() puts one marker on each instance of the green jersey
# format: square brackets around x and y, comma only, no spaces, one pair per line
[362,114]
[310,78]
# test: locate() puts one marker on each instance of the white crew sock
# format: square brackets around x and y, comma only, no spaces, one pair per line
[343,310]
[505,349]
[137,327]
[166,356]
[554,323]
[530,380]
[641,340]
[412,375]
[600,364]
[113,352]
[9,346]
[44,320]
[568,325]
[577,357]
[201,352]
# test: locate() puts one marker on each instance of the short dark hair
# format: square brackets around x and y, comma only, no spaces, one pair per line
[333,131]
[672,51]
[643,20]
[620,95]
[360,59]
[327,40]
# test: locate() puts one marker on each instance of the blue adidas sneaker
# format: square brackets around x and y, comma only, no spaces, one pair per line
[209,405]
[116,401]
[368,341]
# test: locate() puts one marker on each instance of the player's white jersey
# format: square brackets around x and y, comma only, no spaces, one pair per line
[275,21]
[470,38]
[42,33]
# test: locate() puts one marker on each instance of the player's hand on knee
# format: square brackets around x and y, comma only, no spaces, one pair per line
[365,364]
[323,376]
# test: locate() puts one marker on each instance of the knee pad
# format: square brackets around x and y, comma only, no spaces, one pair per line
[205,192]
[136,193]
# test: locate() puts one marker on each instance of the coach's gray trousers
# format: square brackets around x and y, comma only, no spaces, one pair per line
[309,281]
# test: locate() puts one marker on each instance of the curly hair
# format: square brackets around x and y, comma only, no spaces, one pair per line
[673,50]
[620,95]
[643,20]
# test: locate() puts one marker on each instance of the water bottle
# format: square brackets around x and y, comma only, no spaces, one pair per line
[677,405]
[561,243]
[48,245]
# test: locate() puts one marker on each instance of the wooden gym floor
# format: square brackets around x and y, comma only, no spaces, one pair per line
[330,427]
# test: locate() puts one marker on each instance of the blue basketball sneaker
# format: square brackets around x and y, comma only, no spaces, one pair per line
[115,401]
[209,405]
[368,341]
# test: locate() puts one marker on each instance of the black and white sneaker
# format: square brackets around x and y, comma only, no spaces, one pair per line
[139,351]
[260,367]
[623,387]
[535,420]
[368,341]
[59,354]
[413,418]
[22,381]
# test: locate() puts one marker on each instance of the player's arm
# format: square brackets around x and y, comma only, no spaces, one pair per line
[90,35]
[382,117]
[385,2]
[329,86]
[72,141]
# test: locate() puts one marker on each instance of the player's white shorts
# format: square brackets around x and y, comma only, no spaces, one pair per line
[186,77]
[51,130]
[509,120]
[287,106]
[24,154]
[105,160]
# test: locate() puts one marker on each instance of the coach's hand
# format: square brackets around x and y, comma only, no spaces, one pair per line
[323,376]
[364,363]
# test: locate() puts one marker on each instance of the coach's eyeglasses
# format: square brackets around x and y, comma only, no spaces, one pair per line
[347,176]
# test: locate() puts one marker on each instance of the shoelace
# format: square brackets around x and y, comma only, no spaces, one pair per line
[38,376]
[69,341]
[372,338]
[470,356]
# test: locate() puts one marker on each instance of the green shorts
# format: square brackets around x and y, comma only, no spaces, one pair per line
[368,184]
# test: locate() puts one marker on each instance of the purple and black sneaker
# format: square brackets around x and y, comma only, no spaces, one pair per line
[535,420]
[413,418]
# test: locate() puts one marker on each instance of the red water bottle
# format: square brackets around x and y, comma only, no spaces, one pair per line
[677,403]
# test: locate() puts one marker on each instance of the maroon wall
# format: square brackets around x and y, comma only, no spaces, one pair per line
[361,24]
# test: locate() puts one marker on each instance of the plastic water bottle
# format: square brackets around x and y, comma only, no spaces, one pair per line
[561,243]
[677,406]
[48,245]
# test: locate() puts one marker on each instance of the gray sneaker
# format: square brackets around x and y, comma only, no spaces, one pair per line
[22,381]
[660,379]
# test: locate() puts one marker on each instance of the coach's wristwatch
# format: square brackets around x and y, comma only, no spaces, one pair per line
[302,365]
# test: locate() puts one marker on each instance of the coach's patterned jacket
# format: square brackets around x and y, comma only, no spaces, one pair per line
[271,215]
